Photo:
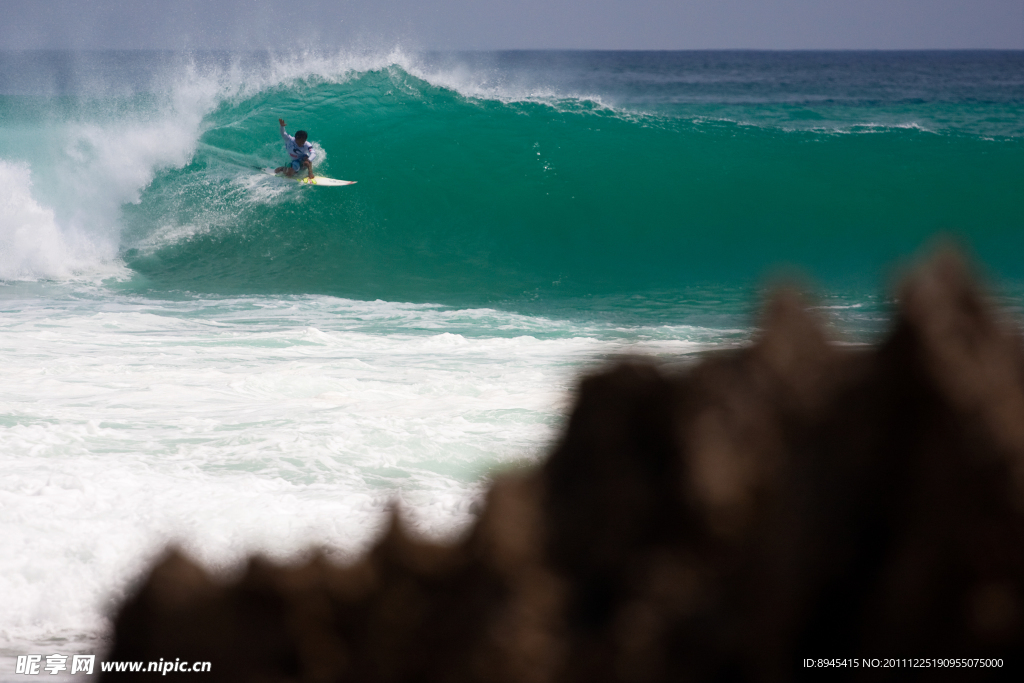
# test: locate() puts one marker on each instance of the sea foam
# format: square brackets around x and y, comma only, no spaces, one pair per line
[252,425]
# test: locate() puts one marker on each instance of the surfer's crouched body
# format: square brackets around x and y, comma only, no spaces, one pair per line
[301,152]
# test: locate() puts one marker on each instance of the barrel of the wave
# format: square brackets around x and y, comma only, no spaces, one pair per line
[477,201]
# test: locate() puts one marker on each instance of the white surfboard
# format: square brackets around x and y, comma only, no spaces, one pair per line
[318,180]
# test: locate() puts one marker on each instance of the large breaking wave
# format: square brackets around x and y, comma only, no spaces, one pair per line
[470,194]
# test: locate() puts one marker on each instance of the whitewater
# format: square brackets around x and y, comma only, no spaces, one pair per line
[199,354]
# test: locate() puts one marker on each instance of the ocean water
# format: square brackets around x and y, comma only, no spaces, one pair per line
[194,352]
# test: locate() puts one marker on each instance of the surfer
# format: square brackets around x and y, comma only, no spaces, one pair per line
[301,152]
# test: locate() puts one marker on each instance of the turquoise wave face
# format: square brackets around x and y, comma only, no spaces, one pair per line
[464,200]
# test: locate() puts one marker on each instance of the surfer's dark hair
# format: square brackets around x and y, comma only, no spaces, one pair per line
[301,134]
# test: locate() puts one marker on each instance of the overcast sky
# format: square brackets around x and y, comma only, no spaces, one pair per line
[514,24]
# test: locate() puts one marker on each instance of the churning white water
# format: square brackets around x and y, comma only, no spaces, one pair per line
[253,424]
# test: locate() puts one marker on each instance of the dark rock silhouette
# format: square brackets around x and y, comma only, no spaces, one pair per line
[792,500]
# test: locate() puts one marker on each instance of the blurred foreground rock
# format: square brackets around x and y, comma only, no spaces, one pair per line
[792,500]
